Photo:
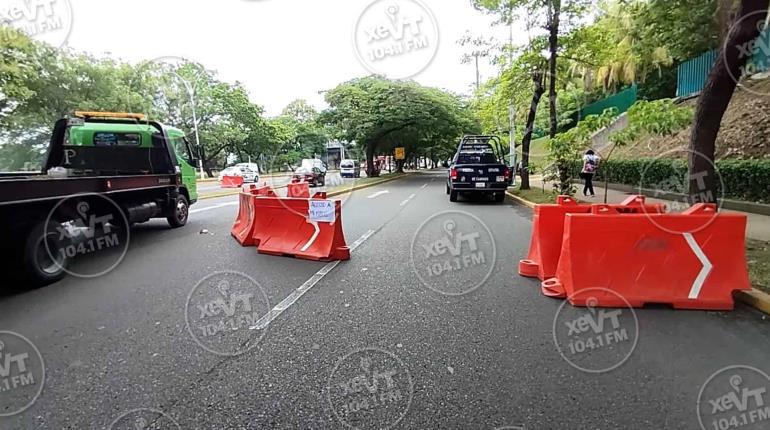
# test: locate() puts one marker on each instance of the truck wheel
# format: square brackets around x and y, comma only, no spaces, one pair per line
[42,264]
[499,197]
[452,196]
[447,189]
[179,213]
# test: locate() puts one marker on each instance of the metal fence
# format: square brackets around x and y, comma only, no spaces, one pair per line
[692,74]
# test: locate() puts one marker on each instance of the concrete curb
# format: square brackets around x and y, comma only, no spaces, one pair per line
[520,201]
[754,298]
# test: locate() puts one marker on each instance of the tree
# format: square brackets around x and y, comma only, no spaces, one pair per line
[380,114]
[715,98]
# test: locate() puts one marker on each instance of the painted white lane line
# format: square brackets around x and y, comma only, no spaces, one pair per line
[704,271]
[406,202]
[377,194]
[268,318]
[208,208]
[423,187]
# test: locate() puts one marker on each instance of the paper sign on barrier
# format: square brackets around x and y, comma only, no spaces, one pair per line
[321,211]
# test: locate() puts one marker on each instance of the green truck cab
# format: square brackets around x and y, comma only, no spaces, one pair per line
[101,170]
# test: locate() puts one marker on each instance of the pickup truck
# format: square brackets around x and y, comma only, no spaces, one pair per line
[478,168]
[102,173]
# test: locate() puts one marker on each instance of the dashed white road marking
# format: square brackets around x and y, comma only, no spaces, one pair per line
[406,202]
[268,318]
[208,208]
[377,194]
[423,187]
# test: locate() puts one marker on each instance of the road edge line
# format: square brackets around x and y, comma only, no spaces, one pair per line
[369,185]
[755,298]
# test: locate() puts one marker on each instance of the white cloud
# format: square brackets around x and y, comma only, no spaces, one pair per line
[280,50]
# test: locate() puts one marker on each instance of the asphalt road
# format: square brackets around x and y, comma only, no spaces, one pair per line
[404,335]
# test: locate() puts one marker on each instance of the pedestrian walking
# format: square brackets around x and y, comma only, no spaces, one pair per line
[590,163]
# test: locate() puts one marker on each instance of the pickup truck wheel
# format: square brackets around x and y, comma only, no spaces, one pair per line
[42,263]
[452,196]
[179,213]
[447,189]
[499,197]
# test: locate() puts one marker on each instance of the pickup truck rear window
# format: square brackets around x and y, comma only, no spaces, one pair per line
[485,158]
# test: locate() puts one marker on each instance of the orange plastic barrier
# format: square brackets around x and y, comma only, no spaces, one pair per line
[256,190]
[644,262]
[548,228]
[232,181]
[243,229]
[299,190]
[282,226]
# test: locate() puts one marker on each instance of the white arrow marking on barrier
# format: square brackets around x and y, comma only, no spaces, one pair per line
[704,271]
[313,237]
[377,194]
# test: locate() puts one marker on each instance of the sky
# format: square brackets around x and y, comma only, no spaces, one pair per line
[282,50]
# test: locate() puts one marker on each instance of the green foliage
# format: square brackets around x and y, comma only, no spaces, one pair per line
[658,117]
[746,180]
[380,114]
[567,147]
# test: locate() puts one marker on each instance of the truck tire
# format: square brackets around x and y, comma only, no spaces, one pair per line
[447,189]
[452,196]
[499,197]
[40,263]
[179,213]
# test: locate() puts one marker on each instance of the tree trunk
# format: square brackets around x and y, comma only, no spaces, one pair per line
[715,98]
[537,78]
[553,45]
[370,159]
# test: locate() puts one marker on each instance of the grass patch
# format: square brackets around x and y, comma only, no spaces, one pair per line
[758,256]
[536,195]
[537,153]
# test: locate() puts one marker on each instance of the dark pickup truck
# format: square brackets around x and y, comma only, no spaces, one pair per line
[478,168]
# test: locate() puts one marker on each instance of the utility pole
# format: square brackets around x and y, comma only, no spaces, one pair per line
[191,93]
[512,106]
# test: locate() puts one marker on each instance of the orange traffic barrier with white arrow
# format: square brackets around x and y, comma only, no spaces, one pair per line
[692,260]
[548,229]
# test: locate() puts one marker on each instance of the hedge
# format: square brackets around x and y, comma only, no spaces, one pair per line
[747,180]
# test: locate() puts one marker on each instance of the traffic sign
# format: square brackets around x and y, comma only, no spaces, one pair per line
[400,154]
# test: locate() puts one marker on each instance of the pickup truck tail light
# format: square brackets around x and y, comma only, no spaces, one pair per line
[453,174]
[507,172]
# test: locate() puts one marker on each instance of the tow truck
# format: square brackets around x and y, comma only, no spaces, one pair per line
[478,167]
[102,171]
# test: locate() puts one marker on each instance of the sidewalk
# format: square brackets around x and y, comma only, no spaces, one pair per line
[758,225]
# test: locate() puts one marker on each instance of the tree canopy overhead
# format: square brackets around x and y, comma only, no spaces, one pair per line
[380,114]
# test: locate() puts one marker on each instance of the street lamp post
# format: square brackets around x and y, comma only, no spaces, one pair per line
[191,93]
